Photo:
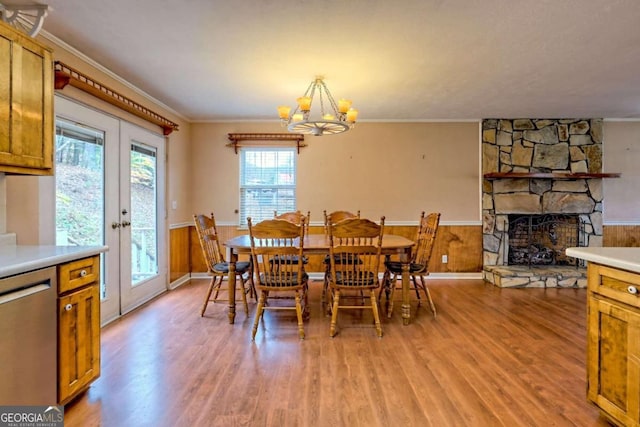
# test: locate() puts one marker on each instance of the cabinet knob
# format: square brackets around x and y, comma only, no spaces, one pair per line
[83,273]
[68,307]
[632,290]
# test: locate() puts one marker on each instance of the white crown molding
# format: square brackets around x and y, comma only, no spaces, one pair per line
[359,121]
[108,72]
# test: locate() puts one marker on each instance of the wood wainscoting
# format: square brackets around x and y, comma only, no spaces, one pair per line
[179,252]
[621,236]
[461,243]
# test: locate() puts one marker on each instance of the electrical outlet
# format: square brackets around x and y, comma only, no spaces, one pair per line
[445,259]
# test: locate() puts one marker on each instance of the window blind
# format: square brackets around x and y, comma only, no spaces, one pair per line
[267,182]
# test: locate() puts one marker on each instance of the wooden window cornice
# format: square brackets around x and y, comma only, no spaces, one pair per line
[65,75]
[262,139]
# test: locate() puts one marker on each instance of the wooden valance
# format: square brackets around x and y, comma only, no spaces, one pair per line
[262,139]
[550,175]
[65,75]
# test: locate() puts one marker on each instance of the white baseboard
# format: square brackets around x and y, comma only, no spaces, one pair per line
[454,276]
[180,281]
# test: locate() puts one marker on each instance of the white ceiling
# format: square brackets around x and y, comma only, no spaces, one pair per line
[397,60]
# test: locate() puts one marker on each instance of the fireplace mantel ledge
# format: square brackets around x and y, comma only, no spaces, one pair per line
[549,175]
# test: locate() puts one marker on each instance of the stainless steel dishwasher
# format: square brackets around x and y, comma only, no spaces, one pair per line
[28,337]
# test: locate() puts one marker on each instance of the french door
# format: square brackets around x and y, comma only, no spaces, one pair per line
[110,179]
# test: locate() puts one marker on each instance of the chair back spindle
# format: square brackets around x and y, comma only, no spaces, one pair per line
[209,240]
[426,238]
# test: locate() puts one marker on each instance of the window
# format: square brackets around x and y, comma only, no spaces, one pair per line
[267,182]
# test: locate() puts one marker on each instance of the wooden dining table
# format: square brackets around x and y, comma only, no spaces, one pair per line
[319,244]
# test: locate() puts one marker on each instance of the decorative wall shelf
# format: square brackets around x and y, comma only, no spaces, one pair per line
[549,175]
[262,139]
[65,75]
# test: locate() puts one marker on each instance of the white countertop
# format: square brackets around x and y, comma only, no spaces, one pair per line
[22,258]
[623,258]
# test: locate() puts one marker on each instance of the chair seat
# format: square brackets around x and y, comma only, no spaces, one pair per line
[347,279]
[396,267]
[289,259]
[341,259]
[274,280]
[223,267]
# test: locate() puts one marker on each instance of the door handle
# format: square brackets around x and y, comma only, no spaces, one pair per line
[115,225]
[125,224]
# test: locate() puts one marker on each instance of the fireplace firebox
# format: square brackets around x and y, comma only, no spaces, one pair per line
[541,240]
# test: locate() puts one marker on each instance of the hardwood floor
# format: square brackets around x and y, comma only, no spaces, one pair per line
[493,357]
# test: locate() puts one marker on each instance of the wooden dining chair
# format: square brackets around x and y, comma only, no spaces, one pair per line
[274,243]
[418,267]
[333,218]
[358,242]
[296,217]
[217,267]
[337,216]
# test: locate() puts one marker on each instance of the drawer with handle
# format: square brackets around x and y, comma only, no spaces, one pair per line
[623,286]
[76,274]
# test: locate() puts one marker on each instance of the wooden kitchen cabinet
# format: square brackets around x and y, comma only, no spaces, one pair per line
[613,343]
[78,326]
[26,104]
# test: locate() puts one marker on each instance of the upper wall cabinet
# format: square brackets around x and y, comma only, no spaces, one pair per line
[26,104]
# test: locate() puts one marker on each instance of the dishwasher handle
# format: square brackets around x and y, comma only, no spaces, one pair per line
[26,284]
[24,292]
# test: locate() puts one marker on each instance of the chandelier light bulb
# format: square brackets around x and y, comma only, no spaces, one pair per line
[283,112]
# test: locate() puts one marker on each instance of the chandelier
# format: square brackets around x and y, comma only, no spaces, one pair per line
[336,118]
[27,18]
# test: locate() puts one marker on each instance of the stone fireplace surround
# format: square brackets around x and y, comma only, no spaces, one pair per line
[557,148]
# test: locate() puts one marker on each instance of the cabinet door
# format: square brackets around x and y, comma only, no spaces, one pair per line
[78,341]
[613,359]
[26,104]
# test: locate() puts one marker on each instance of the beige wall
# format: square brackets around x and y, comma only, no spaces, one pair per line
[621,148]
[391,169]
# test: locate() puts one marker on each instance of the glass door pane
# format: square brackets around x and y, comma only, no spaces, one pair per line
[80,186]
[144,239]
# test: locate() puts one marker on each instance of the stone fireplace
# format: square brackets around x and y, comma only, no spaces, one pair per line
[534,170]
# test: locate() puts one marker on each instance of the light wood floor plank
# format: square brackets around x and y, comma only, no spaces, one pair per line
[493,357]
